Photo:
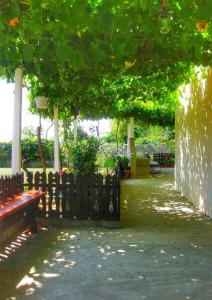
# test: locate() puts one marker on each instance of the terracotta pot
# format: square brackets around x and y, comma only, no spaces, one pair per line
[126,174]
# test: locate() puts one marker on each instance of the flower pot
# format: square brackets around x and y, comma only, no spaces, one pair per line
[126,174]
[41,102]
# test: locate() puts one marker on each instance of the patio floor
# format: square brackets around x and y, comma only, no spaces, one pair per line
[163,251]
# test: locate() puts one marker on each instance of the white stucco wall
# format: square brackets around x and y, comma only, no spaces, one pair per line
[194,143]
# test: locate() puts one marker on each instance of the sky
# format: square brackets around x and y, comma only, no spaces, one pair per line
[6,115]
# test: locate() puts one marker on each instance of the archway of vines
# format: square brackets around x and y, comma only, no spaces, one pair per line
[103,57]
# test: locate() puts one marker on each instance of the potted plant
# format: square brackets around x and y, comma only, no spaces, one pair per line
[125,167]
[170,163]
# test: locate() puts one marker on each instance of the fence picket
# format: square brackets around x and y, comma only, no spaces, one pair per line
[162,158]
[82,198]
[11,185]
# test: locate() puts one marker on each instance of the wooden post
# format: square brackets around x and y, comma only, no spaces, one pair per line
[131,152]
[57,166]
[17,113]
[130,131]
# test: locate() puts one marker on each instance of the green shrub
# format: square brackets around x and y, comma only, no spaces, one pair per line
[5,150]
[83,156]
[106,157]
[29,150]
[110,165]
[124,161]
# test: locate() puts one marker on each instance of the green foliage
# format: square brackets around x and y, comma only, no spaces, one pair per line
[154,134]
[118,131]
[124,161]
[102,34]
[29,145]
[144,134]
[109,165]
[106,156]
[169,162]
[83,156]
[109,138]
[67,138]
[105,58]
[29,150]
[122,131]
[29,133]
[151,96]
[5,150]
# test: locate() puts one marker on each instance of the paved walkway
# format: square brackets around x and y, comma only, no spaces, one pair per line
[163,251]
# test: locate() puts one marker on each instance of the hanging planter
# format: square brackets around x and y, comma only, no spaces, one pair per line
[41,102]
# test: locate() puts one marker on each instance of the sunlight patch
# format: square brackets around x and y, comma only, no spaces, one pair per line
[164,208]
[50,275]
[186,210]
[121,251]
[26,280]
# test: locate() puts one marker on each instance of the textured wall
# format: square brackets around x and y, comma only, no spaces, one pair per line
[194,143]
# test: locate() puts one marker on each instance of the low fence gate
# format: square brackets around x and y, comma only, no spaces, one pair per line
[77,198]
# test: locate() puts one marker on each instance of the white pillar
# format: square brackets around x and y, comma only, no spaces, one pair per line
[75,128]
[57,166]
[130,130]
[131,152]
[17,112]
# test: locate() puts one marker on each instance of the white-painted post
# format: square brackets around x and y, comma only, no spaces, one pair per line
[131,152]
[75,128]
[57,166]
[130,131]
[17,113]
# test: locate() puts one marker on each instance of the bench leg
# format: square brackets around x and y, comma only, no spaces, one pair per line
[30,219]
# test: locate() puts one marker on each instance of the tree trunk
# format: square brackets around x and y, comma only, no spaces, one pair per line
[75,128]
[67,147]
[40,148]
[97,130]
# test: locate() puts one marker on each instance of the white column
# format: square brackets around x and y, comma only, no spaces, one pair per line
[130,130]
[16,141]
[131,152]
[75,128]
[57,166]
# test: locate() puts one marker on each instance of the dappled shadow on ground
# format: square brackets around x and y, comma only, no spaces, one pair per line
[163,251]
[8,248]
[154,202]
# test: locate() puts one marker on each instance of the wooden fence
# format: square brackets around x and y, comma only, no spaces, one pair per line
[11,185]
[77,198]
[163,158]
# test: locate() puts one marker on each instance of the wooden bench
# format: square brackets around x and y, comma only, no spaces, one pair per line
[16,204]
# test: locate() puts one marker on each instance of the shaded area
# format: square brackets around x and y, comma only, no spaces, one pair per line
[163,251]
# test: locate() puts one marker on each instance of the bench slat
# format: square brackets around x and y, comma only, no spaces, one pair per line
[18,202]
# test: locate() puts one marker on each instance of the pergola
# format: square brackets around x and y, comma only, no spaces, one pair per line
[48,42]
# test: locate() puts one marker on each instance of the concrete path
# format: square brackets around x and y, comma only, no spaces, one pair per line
[163,251]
